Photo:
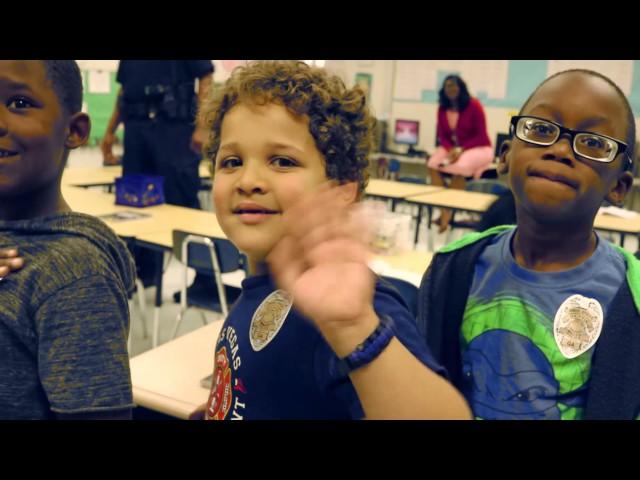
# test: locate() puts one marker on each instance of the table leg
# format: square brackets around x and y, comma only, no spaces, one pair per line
[159,258]
[418,219]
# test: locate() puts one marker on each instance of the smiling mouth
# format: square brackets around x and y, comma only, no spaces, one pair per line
[247,211]
[555,179]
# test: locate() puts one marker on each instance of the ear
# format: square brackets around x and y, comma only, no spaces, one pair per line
[349,192]
[620,189]
[503,161]
[79,129]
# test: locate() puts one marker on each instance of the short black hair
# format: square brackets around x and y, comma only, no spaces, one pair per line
[463,98]
[630,139]
[66,80]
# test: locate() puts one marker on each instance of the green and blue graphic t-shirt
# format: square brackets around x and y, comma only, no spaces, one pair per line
[512,367]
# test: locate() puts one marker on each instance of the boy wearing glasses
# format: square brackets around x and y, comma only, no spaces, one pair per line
[540,321]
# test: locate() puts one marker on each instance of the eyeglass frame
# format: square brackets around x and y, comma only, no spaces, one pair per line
[622,146]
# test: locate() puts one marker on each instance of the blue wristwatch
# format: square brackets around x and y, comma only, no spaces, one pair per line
[372,346]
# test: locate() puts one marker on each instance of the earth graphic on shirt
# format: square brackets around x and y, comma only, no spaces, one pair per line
[512,367]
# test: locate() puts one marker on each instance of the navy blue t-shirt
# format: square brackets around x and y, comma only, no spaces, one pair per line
[294,375]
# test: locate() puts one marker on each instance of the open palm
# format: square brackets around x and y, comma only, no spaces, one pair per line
[322,262]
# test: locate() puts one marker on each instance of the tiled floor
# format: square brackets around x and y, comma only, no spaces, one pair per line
[171,279]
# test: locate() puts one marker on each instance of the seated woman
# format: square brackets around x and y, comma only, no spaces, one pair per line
[465,149]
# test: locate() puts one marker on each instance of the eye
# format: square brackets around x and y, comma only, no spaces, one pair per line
[592,141]
[228,163]
[283,162]
[542,129]
[19,103]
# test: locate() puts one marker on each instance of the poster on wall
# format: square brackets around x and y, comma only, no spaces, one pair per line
[364,80]
[99,81]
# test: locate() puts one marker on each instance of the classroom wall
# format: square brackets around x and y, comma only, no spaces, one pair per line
[391,80]
[381,72]
[502,86]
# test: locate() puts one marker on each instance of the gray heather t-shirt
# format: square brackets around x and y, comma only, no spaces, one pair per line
[64,318]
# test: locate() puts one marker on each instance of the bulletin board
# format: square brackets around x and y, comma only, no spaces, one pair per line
[503,83]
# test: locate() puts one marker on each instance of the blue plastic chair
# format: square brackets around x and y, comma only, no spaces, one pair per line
[210,257]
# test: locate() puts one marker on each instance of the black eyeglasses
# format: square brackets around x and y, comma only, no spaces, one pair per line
[593,146]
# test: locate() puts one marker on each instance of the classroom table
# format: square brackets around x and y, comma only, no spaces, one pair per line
[479,203]
[106,175]
[622,226]
[167,378]
[395,191]
[450,198]
[408,265]
[91,176]
[157,218]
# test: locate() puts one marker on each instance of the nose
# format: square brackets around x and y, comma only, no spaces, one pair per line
[251,180]
[561,151]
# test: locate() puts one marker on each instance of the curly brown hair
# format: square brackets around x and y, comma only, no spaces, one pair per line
[339,119]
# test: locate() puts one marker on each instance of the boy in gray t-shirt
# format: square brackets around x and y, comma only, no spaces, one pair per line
[64,319]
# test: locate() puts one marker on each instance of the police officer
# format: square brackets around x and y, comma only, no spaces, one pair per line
[157,103]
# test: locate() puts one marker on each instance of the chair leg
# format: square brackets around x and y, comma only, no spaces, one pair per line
[156,326]
[179,317]
[449,236]
[204,317]
[129,340]
[142,305]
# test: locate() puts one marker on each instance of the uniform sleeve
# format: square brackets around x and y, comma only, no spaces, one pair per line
[330,378]
[200,68]
[82,353]
[388,302]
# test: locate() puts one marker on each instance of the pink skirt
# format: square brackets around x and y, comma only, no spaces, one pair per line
[471,163]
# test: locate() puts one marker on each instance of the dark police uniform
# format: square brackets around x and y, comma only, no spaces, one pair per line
[158,109]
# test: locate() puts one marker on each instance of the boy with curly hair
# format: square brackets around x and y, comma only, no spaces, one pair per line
[313,335]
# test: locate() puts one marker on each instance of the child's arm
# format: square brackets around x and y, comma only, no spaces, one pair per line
[322,261]
[83,363]
[9,261]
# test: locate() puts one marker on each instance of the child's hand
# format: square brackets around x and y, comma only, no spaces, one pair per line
[9,261]
[322,261]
